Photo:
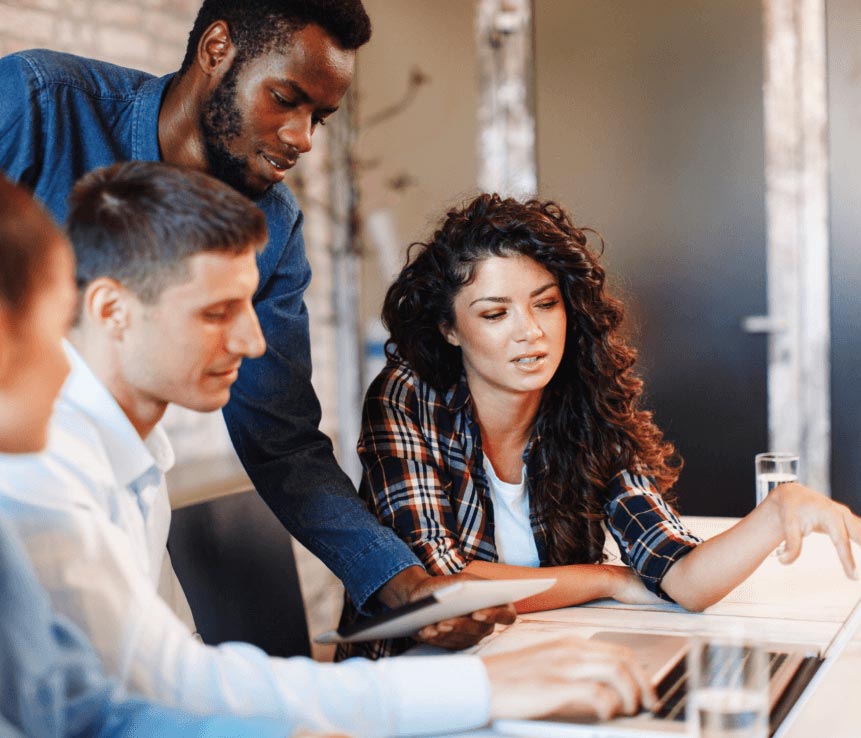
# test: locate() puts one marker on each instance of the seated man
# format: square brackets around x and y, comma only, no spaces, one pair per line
[52,682]
[166,273]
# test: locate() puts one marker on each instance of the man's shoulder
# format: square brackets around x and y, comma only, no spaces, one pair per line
[98,78]
[71,472]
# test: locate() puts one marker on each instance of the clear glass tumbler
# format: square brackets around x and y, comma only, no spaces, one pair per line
[728,692]
[772,469]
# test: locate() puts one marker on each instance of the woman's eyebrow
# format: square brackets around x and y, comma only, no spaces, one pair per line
[546,287]
[506,300]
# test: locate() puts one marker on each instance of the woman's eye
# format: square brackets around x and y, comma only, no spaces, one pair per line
[493,316]
[547,304]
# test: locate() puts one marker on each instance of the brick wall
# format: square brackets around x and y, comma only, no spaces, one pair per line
[147,34]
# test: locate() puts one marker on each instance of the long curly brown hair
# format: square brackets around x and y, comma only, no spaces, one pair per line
[589,422]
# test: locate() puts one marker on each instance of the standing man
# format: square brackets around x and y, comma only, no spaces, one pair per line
[258,77]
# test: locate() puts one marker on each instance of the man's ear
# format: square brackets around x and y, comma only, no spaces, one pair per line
[106,306]
[449,334]
[215,50]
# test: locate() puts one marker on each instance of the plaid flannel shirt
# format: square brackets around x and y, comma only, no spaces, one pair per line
[423,476]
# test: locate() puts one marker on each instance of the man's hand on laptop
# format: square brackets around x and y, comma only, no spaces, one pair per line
[573,678]
[799,510]
[456,633]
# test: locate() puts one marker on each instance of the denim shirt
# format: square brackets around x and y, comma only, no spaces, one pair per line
[51,683]
[61,116]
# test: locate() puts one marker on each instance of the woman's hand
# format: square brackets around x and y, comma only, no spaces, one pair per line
[629,588]
[798,510]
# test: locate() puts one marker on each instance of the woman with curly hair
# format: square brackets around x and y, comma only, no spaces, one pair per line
[506,431]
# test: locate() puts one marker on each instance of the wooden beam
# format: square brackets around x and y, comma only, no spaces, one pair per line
[506,116]
[796,164]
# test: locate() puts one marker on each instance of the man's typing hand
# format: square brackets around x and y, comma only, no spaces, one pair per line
[573,678]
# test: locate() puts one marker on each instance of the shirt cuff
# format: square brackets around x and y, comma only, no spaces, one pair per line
[387,556]
[437,694]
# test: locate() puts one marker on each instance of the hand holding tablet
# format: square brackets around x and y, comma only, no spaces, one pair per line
[454,600]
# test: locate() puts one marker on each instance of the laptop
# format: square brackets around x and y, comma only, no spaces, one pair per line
[794,673]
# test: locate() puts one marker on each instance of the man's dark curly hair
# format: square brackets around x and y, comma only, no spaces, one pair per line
[258,26]
[589,422]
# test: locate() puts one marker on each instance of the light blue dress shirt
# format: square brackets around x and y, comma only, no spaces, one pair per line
[51,682]
[92,512]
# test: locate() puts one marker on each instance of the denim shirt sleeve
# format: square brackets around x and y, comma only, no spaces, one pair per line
[19,130]
[273,418]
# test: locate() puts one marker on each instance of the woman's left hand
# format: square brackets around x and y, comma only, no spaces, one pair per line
[799,510]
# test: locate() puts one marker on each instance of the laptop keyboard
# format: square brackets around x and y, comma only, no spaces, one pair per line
[672,690]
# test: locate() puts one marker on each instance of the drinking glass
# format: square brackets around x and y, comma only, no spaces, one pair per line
[728,692]
[774,468]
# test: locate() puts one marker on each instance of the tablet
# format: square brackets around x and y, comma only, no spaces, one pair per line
[460,598]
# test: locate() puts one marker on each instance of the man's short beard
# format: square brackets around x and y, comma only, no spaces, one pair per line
[221,123]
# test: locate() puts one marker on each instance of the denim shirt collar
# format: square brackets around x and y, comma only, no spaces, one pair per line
[147,105]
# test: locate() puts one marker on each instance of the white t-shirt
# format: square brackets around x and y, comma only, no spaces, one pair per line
[512,532]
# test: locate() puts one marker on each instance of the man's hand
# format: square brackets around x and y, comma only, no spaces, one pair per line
[456,633]
[571,678]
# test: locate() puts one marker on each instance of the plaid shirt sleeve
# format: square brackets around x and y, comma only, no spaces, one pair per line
[403,481]
[650,535]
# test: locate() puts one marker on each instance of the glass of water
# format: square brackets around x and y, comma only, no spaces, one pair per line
[728,689]
[774,468]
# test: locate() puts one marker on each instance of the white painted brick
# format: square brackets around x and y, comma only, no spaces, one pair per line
[123,47]
[121,14]
[167,27]
[37,4]
[33,26]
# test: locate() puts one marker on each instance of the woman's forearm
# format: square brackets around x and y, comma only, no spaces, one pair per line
[717,566]
[575,583]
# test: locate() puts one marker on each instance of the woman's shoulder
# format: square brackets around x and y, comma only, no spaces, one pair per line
[398,380]
[399,386]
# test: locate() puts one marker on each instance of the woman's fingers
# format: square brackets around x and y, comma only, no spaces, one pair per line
[803,510]
[793,535]
[839,534]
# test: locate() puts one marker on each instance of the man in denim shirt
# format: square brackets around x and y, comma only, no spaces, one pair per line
[257,78]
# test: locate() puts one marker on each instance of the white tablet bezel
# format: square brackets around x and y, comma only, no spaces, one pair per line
[454,600]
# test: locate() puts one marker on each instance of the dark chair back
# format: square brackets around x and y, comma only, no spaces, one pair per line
[235,563]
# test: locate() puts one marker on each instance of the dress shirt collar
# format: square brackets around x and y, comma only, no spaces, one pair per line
[145,118]
[130,457]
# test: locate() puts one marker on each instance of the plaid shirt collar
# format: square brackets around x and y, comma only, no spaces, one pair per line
[458,399]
